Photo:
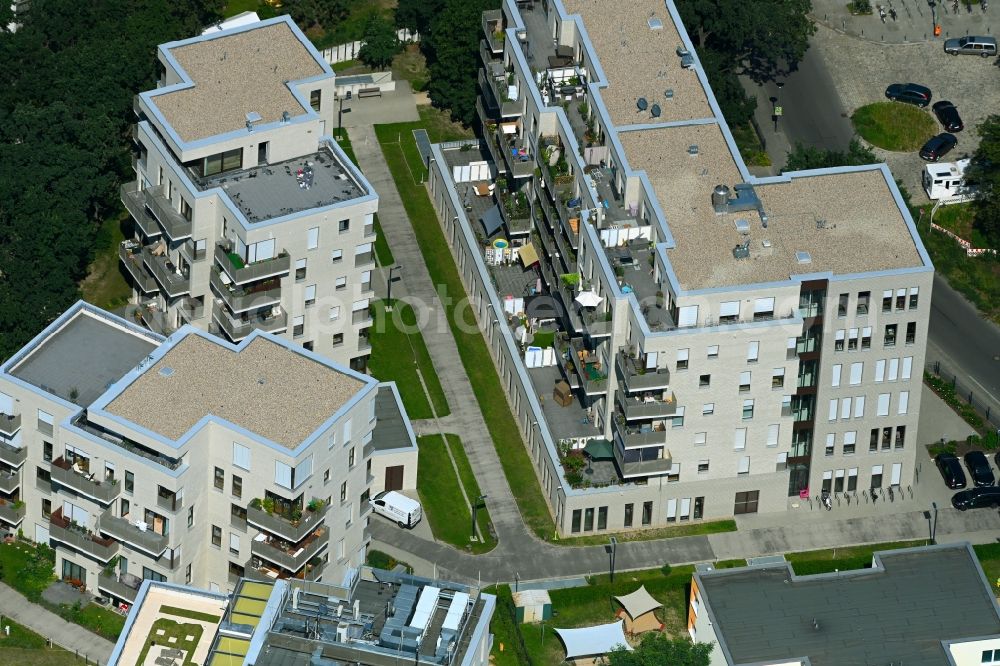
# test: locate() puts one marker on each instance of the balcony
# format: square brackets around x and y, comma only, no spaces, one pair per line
[192,309]
[168,275]
[136,535]
[289,556]
[499,102]
[170,501]
[13,455]
[71,476]
[237,329]
[10,481]
[362,316]
[155,319]
[174,223]
[9,424]
[241,272]
[637,408]
[632,437]
[650,461]
[493,30]
[273,523]
[240,299]
[135,203]
[12,512]
[364,259]
[130,254]
[78,538]
[123,586]
[588,366]
[192,253]
[597,323]
[638,378]
[256,570]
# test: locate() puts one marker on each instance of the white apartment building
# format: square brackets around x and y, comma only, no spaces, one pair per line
[191,459]
[247,214]
[731,344]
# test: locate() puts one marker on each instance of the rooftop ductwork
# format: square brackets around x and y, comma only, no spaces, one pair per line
[746,199]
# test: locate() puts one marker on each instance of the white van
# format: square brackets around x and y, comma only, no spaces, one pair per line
[396,506]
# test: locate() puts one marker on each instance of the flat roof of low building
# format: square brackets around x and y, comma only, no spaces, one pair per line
[265,387]
[898,613]
[390,427]
[234,74]
[84,355]
[847,222]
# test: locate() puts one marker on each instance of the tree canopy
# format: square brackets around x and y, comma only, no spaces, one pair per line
[656,649]
[380,42]
[317,13]
[807,157]
[984,174]
[66,89]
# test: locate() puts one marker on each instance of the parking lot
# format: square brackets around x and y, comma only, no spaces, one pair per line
[862,68]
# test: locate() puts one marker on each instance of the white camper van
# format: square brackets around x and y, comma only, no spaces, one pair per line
[944,182]
[398,507]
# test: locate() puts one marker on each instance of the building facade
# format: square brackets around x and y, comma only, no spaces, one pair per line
[730,344]
[191,459]
[246,212]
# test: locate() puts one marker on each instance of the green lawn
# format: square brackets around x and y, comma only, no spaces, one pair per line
[105,286]
[893,125]
[380,560]
[173,630]
[383,254]
[988,555]
[344,65]
[445,508]
[190,614]
[398,350]
[234,7]
[689,529]
[851,557]
[402,157]
[23,646]
[27,568]
[101,621]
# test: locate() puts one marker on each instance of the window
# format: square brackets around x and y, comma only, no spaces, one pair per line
[241,456]
[708,408]
[876,476]
[326,477]
[748,409]
[746,502]
[838,340]
[753,349]
[832,415]
[850,441]
[335,313]
[852,339]
[887,300]
[911,332]
[859,407]
[703,467]
[893,369]
[866,338]
[991,657]
[647,513]
[682,359]
[602,518]
[343,492]
[842,305]
[831,444]
[857,369]
[900,436]
[873,441]
[687,316]
[890,335]
[671,511]
[298,326]
[677,421]
[852,479]
[46,508]
[700,438]
[310,295]
[336,256]
[315,99]
[836,376]
[713,351]
[577,515]
[863,298]
[351,455]
[740,439]
[704,381]
[588,520]
[237,486]
[699,508]
[886,438]
[300,270]
[340,283]
[745,381]
[220,162]
[882,409]
[772,434]
[729,312]
[628,515]
[845,408]
[234,544]
[763,308]
[913,298]
[900,299]
[338,339]
[904,402]
[312,238]
[880,370]
[216,536]
[343,226]
[190,517]
[220,478]
[777,378]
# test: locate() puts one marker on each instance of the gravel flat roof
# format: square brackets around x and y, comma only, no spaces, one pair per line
[234,75]
[265,388]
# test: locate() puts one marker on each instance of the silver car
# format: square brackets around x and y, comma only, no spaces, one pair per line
[971,45]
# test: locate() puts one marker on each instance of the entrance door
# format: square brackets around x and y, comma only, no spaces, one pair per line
[394,478]
[262,152]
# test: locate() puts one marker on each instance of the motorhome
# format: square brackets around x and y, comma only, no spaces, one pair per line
[944,182]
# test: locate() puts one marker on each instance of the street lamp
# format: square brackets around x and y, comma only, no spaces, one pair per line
[934,524]
[388,295]
[778,110]
[341,111]
[475,510]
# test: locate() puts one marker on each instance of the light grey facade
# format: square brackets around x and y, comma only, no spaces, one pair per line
[190,459]
[247,214]
[747,340]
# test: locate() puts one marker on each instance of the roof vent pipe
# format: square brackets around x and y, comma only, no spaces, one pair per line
[720,198]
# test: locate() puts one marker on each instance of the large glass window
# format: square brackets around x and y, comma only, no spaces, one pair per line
[220,162]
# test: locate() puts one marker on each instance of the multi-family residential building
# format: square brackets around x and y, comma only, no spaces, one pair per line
[377,618]
[723,344]
[901,610]
[246,213]
[191,459]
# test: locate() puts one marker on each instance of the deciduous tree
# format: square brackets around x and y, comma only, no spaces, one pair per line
[656,649]
[984,174]
[807,157]
[380,42]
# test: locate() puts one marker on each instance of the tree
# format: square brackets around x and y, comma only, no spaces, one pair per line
[807,157]
[317,13]
[380,42]
[418,14]
[656,649]
[983,174]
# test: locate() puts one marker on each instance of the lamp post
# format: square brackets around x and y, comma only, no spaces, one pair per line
[475,510]
[341,111]
[388,294]
[778,110]
[934,523]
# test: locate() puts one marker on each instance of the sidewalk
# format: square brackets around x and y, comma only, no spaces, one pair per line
[62,633]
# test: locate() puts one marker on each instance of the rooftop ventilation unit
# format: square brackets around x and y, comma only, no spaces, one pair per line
[743,226]
[693,149]
[803,257]
[669,93]
[742,251]
[654,23]
[655,110]
[166,371]
[285,116]
[641,104]
[687,60]
[252,117]
[720,198]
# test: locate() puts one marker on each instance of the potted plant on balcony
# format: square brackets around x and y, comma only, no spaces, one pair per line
[315,505]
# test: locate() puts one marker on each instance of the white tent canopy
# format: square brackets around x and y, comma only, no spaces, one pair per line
[588,299]
[589,641]
[638,603]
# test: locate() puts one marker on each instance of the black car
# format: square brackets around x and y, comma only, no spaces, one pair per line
[979,469]
[976,498]
[951,470]
[910,93]
[947,115]
[938,146]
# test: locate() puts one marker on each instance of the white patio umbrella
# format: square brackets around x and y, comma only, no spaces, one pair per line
[589,299]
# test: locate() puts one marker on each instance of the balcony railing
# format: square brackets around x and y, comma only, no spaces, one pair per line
[84,484]
[10,481]
[636,437]
[635,408]
[192,309]
[498,101]
[172,502]
[176,225]
[137,536]
[192,253]
[241,273]
[237,329]
[290,556]
[166,273]
[598,324]
[63,531]
[643,462]
[135,203]
[592,372]
[364,258]
[639,378]
[493,29]
[240,299]
[292,531]
[361,316]
[13,455]
[517,153]
[11,512]
[131,256]
[131,447]
[9,424]
[123,586]
[155,319]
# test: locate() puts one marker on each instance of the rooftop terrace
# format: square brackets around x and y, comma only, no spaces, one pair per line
[83,357]
[236,74]
[202,376]
[266,192]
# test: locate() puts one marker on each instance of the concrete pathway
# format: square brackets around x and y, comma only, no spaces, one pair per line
[45,623]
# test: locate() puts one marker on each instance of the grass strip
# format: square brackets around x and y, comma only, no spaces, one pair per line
[842,559]
[468,480]
[190,614]
[690,529]
[893,126]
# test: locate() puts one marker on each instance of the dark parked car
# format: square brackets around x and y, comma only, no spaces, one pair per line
[951,470]
[910,93]
[947,115]
[979,469]
[976,498]
[938,146]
